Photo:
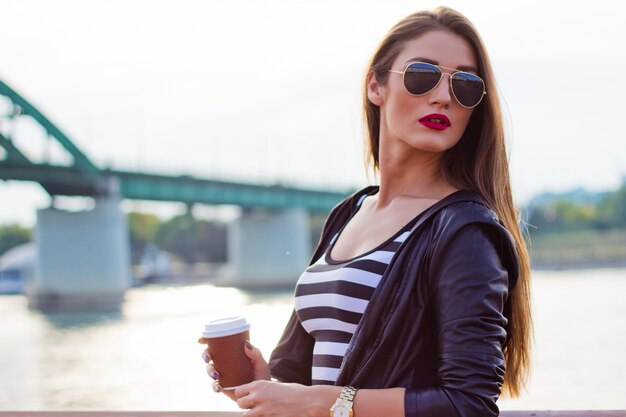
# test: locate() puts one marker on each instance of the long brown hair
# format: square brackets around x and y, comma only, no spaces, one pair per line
[477,162]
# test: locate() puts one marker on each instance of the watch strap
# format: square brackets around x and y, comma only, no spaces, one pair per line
[345,400]
[347,394]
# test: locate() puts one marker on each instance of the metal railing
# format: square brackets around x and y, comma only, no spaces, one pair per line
[539,413]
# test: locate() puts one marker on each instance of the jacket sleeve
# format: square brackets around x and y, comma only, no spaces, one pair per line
[292,358]
[469,287]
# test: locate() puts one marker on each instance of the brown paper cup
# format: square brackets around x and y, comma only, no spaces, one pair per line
[226,339]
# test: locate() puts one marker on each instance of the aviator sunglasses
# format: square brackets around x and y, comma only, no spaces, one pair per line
[421,78]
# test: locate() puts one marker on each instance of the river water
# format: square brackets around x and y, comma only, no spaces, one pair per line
[146,358]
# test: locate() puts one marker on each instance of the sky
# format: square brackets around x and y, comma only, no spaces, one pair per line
[269,91]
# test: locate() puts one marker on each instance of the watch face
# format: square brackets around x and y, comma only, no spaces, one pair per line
[341,411]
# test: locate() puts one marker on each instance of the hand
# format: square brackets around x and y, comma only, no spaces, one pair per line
[273,399]
[260,366]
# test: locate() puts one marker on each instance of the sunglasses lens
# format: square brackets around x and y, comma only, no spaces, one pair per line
[420,78]
[468,88]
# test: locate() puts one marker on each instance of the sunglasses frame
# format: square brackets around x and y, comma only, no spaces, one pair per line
[452,74]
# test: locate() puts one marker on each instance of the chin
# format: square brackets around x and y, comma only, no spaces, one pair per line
[436,145]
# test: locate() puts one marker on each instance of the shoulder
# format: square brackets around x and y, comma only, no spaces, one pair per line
[472,224]
[466,208]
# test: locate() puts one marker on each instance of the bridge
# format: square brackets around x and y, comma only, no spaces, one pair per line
[83,258]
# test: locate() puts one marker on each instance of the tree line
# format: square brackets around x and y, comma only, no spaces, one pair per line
[191,240]
[564,213]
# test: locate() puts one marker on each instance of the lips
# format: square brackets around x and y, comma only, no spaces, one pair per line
[435,121]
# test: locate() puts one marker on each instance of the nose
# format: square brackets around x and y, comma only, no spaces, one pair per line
[442,95]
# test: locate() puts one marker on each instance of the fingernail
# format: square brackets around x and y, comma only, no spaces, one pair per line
[215,375]
[217,388]
[205,357]
[248,344]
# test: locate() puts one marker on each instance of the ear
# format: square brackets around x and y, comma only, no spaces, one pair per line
[374,90]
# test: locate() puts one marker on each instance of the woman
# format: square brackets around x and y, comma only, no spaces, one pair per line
[417,298]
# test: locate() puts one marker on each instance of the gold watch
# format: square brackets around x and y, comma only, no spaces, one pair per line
[343,405]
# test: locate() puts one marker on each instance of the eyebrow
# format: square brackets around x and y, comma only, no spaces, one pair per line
[466,68]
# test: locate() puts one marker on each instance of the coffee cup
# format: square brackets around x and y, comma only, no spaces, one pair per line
[226,338]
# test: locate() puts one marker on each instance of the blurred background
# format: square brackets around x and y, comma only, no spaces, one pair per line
[232,112]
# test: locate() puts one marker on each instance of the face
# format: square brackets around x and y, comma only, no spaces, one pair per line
[407,121]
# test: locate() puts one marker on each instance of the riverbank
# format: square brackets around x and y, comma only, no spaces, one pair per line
[588,249]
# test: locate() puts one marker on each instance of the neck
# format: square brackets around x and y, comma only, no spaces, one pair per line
[410,174]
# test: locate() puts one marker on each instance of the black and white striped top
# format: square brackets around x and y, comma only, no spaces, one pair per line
[330,298]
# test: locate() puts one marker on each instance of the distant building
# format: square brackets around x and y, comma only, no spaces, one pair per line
[17,266]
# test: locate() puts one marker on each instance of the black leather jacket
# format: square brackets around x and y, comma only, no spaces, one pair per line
[437,322]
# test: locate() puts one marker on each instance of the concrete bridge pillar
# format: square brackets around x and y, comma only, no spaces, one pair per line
[83,259]
[268,248]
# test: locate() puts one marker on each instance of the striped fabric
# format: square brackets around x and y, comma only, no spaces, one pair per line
[330,298]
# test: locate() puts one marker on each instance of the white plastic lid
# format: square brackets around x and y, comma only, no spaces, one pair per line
[225,326]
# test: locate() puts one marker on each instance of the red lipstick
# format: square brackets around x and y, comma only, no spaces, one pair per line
[435,121]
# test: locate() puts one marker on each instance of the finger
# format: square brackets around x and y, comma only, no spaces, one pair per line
[205,356]
[260,366]
[255,355]
[252,351]
[216,386]
[210,370]
[245,403]
[242,390]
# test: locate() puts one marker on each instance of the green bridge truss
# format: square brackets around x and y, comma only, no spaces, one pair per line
[83,178]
